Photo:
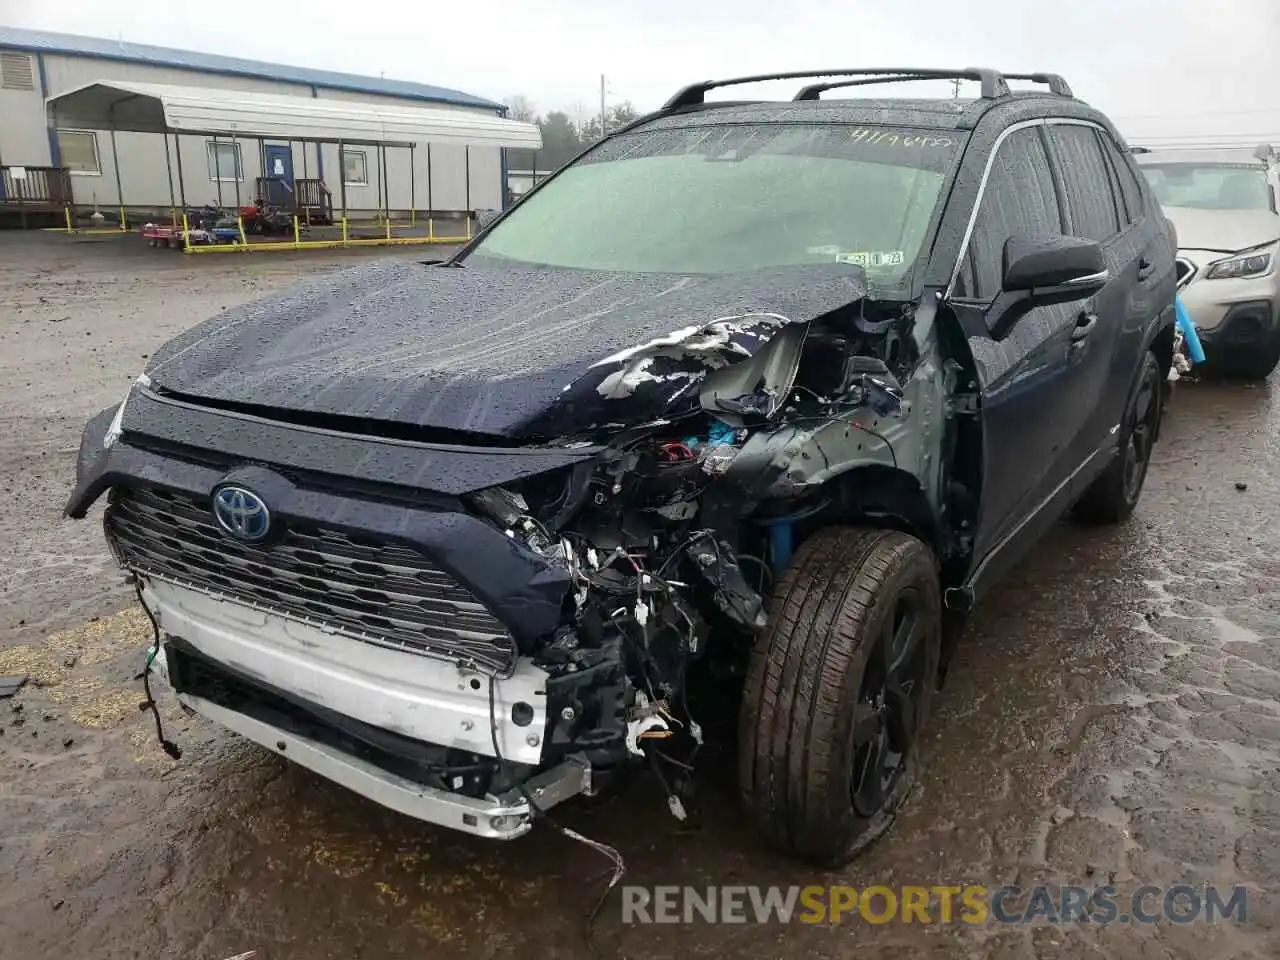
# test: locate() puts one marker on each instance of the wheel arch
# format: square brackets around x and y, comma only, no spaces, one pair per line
[1160,342]
[883,497]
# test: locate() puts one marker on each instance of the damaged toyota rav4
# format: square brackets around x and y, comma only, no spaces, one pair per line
[747,405]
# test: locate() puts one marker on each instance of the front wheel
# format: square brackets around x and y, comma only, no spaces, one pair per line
[838,686]
[1112,497]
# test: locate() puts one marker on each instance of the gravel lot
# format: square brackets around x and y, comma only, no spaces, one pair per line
[1113,715]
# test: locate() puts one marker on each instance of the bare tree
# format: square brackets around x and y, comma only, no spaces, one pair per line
[520,107]
[579,113]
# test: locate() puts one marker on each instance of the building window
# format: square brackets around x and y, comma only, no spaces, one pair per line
[15,72]
[79,152]
[224,161]
[355,168]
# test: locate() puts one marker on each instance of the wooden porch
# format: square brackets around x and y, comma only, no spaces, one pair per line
[34,189]
[308,198]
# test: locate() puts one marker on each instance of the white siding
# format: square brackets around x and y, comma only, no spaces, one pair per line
[486,179]
[145,178]
[448,189]
[23,137]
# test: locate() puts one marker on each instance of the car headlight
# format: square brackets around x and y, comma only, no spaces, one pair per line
[116,427]
[1250,263]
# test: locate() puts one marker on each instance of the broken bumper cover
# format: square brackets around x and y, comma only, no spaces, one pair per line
[496,818]
[385,700]
[402,693]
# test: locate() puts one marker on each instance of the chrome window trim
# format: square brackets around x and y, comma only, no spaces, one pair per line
[986,176]
[1102,276]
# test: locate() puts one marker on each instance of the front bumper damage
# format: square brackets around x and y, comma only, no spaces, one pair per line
[505,817]
[353,712]
[609,567]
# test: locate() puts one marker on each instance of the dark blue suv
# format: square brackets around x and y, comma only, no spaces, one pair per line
[747,404]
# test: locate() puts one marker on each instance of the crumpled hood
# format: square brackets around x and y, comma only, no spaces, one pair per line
[1223,230]
[511,351]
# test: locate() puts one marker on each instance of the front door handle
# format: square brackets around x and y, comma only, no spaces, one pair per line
[1145,268]
[1084,326]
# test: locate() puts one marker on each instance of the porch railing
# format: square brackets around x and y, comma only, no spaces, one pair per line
[42,187]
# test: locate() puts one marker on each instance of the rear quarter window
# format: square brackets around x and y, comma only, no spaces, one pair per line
[1131,192]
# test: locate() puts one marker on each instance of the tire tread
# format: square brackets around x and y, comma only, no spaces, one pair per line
[796,695]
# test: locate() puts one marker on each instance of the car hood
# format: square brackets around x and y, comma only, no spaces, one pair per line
[509,351]
[1224,230]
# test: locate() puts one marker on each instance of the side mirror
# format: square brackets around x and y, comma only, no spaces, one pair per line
[1040,271]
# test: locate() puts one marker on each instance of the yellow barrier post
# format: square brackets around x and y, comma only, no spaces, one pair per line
[431,228]
[186,234]
[469,219]
[124,227]
[413,217]
[295,232]
[244,241]
[67,211]
[388,227]
[344,231]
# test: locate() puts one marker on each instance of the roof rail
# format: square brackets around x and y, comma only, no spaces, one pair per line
[993,84]
[1057,85]
[814,90]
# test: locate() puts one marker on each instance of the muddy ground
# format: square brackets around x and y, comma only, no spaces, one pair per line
[1113,715]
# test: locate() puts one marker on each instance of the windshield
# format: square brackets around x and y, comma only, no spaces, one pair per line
[716,200]
[1218,186]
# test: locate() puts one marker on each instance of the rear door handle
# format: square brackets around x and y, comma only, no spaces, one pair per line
[1145,268]
[1084,326]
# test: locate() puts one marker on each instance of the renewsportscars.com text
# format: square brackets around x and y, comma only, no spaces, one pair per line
[1008,904]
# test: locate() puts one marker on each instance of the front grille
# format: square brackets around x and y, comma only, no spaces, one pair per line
[383,593]
[1186,271]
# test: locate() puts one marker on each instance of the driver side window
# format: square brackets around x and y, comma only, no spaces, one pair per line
[1020,198]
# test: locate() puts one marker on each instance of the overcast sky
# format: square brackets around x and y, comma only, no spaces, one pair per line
[1159,67]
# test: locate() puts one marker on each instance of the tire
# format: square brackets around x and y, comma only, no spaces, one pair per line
[1112,497]
[816,709]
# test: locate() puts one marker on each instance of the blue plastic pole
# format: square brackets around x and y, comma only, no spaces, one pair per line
[1194,350]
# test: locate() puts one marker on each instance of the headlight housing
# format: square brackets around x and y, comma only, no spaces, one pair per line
[1248,263]
[116,426]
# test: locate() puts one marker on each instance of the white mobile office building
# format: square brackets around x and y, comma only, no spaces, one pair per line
[458,164]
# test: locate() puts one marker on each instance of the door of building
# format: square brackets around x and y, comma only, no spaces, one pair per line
[278,176]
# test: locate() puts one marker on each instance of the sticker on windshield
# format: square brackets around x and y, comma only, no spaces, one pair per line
[892,138]
[872,258]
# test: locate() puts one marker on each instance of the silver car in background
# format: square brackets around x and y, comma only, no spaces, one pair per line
[1223,206]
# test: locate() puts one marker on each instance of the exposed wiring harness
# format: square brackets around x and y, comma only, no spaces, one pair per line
[169,747]
[537,813]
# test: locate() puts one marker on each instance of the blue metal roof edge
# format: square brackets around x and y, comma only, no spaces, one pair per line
[99,48]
